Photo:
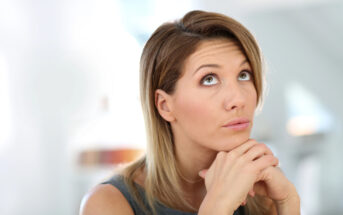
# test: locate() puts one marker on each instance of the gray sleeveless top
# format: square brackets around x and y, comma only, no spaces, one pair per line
[118,182]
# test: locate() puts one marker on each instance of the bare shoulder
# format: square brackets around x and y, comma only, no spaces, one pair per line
[105,199]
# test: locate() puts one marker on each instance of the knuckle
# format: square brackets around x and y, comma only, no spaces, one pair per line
[241,160]
[253,141]
[276,160]
[253,144]
[233,154]
[220,155]
[269,158]
[272,159]
[263,146]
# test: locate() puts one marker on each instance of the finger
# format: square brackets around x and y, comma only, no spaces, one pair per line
[265,161]
[244,202]
[265,172]
[202,173]
[245,147]
[257,151]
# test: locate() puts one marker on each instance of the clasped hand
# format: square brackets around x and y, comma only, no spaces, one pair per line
[249,169]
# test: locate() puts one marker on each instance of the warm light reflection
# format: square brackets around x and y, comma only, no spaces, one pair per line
[307,113]
[302,125]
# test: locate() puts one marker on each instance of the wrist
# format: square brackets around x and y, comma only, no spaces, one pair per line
[212,206]
[290,205]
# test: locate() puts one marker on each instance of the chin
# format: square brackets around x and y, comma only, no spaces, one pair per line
[233,142]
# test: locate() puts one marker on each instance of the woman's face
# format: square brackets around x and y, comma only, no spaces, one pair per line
[215,90]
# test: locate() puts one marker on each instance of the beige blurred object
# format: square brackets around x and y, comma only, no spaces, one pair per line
[96,157]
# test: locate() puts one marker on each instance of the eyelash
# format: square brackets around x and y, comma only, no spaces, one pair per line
[205,76]
[250,73]
[216,76]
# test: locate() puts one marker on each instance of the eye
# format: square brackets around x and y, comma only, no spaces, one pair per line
[210,79]
[245,75]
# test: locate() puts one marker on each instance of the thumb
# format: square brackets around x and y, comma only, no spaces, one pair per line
[265,174]
[202,173]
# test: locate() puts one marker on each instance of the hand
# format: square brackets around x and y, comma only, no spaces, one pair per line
[233,174]
[273,184]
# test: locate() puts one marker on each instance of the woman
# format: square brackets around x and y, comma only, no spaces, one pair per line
[201,81]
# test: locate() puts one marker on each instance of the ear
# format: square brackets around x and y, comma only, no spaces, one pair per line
[163,103]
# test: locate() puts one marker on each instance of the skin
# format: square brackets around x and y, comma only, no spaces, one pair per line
[232,165]
[217,87]
[198,111]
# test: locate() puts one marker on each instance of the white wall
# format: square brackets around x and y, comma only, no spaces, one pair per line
[58,71]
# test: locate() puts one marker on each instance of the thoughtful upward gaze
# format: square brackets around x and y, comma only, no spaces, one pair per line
[200,84]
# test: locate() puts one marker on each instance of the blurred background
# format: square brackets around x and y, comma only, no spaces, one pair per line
[69,106]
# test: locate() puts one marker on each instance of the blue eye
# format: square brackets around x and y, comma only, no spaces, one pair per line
[208,80]
[245,76]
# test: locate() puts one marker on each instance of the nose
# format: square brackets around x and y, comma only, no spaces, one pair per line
[234,97]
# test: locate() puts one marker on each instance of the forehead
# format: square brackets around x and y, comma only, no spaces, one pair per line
[215,51]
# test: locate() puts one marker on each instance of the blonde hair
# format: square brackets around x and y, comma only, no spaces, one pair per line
[161,62]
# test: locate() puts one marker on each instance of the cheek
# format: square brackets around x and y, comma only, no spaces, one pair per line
[197,113]
[193,110]
[254,100]
[251,96]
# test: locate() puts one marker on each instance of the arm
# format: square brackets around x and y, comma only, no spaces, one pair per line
[105,200]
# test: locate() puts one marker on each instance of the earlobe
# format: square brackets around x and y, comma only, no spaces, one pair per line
[163,105]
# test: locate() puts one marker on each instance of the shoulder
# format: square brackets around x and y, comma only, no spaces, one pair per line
[105,199]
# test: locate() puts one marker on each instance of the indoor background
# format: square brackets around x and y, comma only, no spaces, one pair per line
[70,111]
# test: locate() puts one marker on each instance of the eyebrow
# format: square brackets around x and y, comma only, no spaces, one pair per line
[206,65]
[216,66]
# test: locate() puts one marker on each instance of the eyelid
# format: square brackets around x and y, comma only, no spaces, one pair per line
[208,74]
[248,71]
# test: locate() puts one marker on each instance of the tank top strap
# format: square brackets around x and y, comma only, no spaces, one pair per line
[119,182]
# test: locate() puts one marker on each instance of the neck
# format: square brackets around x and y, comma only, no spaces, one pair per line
[191,158]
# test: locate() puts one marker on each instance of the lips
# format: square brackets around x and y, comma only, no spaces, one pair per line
[238,124]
